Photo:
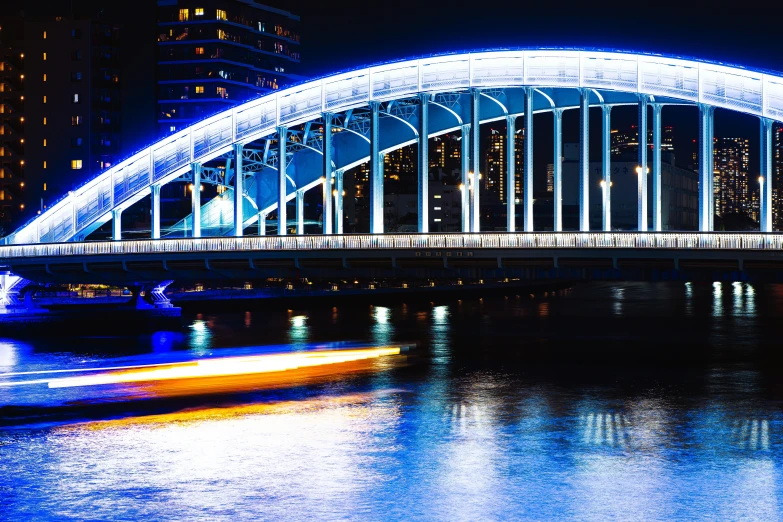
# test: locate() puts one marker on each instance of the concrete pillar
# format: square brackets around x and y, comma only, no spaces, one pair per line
[765,179]
[327,220]
[606,166]
[239,219]
[527,180]
[327,162]
[376,171]
[511,164]
[338,201]
[282,191]
[641,165]
[584,160]
[557,170]
[116,224]
[424,162]
[300,212]
[155,207]
[195,199]
[261,224]
[706,198]
[475,157]
[656,168]
[466,181]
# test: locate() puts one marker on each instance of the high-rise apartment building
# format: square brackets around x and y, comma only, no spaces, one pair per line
[213,54]
[777,182]
[496,166]
[731,176]
[61,106]
[445,152]
[625,142]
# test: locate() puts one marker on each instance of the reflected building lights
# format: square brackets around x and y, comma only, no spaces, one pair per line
[717,299]
[299,330]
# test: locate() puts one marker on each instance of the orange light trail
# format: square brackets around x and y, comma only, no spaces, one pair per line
[227,366]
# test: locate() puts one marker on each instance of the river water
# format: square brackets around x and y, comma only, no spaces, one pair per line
[623,401]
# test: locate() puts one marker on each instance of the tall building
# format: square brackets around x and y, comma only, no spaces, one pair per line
[777,182]
[213,54]
[496,167]
[625,142]
[731,176]
[445,152]
[62,98]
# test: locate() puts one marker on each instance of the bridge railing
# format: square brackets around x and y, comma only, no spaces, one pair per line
[494,240]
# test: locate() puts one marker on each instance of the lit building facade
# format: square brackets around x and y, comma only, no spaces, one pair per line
[213,54]
[12,122]
[731,176]
[777,185]
[496,165]
[625,142]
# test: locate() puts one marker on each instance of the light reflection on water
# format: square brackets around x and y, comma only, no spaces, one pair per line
[473,429]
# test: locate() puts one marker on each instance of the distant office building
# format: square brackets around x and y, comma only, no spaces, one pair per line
[731,176]
[445,152]
[625,142]
[213,54]
[496,165]
[61,84]
[777,182]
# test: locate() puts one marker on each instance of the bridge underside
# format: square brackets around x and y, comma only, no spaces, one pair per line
[434,264]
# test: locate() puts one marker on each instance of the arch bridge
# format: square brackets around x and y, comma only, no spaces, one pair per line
[271,150]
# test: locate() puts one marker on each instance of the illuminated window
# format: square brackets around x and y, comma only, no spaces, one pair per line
[76,120]
[44,98]
[199,50]
[199,11]
[437,220]
[76,164]
[199,89]
[222,92]
[221,14]
[184,15]
[44,187]
[44,56]
[44,142]
[44,165]
[75,98]
[44,76]
[437,196]
[44,35]
[436,208]
[44,120]
[221,34]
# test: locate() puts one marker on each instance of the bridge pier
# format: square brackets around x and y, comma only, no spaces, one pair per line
[656,168]
[338,201]
[261,223]
[475,157]
[153,297]
[424,163]
[282,162]
[527,181]
[511,162]
[327,219]
[155,211]
[606,165]
[641,167]
[327,162]
[116,224]
[376,171]
[239,188]
[195,199]
[557,170]
[300,212]
[706,204]
[765,178]
[466,178]
[584,160]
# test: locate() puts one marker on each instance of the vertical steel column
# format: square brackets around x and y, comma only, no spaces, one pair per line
[338,201]
[511,207]
[155,190]
[239,189]
[116,224]
[261,224]
[557,170]
[327,161]
[282,191]
[641,167]
[584,160]
[300,212]
[424,162]
[656,170]
[527,181]
[466,178]
[705,168]
[606,165]
[376,172]
[765,180]
[475,157]
[195,199]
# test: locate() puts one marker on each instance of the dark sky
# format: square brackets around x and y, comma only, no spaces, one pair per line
[345,35]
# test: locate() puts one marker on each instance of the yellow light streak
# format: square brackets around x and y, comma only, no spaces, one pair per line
[228,366]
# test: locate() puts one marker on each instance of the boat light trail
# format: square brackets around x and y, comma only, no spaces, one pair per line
[227,366]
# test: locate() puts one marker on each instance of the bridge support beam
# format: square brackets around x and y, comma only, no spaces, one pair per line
[765,179]
[511,207]
[338,201]
[606,166]
[557,170]
[656,168]
[424,162]
[195,199]
[239,219]
[327,160]
[376,171]
[155,211]
[584,160]
[282,164]
[116,224]
[467,182]
[641,167]
[527,180]
[300,212]
[327,219]
[261,224]
[475,157]
[706,195]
